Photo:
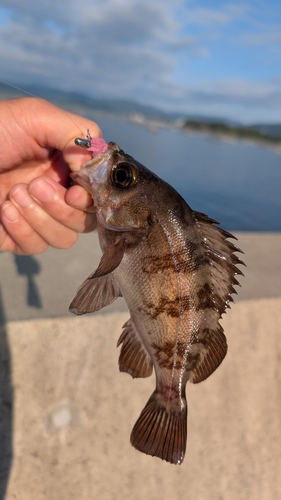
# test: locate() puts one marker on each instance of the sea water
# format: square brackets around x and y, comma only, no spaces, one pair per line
[236,183]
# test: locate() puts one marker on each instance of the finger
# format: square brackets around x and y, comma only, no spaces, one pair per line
[51,197]
[60,130]
[77,197]
[16,235]
[6,243]
[41,129]
[50,230]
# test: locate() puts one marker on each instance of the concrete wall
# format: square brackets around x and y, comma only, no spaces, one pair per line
[67,414]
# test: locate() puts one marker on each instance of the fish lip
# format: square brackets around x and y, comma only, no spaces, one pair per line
[86,176]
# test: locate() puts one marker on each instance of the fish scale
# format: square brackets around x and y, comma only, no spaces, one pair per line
[176,270]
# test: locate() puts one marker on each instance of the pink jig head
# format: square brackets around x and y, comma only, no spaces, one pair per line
[96,145]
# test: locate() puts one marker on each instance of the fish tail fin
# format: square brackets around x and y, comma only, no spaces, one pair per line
[161,431]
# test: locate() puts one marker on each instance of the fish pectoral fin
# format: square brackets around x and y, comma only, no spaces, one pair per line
[94,294]
[134,358]
[210,356]
[161,431]
[110,259]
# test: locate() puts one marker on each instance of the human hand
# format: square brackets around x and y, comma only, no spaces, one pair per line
[37,155]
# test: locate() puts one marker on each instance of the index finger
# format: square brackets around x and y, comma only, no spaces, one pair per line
[55,128]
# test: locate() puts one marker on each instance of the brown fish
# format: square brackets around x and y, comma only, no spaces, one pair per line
[176,270]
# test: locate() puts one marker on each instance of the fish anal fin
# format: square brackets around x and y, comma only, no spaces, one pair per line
[161,431]
[212,350]
[94,294]
[134,358]
[110,259]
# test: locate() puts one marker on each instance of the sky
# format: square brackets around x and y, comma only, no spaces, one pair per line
[211,58]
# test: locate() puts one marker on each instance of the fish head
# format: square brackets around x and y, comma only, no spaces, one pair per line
[118,185]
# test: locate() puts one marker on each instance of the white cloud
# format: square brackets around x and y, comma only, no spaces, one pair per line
[221,15]
[263,38]
[240,92]
[207,16]
[114,46]
[133,49]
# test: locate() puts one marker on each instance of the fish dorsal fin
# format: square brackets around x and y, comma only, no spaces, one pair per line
[219,255]
[94,294]
[209,346]
[110,259]
[134,358]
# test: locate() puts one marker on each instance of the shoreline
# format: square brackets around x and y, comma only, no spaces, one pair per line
[153,125]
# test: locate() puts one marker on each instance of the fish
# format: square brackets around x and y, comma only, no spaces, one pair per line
[176,269]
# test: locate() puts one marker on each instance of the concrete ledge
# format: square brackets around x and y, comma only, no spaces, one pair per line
[43,286]
[73,413]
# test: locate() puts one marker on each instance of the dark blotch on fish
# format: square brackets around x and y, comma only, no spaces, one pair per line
[176,270]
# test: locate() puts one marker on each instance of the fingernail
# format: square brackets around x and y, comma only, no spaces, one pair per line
[42,190]
[21,197]
[9,211]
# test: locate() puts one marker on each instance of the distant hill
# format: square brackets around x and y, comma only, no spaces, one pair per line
[114,106]
[274,130]
[83,104]
[76,99]
[256,133]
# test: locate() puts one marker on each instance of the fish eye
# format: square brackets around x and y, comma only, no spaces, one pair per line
[124,175]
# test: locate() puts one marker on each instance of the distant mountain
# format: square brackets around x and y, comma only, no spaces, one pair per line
[81,103]
[268,129]
[253,133]
[76,99]
[115,106]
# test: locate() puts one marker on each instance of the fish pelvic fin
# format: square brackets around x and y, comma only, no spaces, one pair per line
[212,352]
[134,358]
[161,431]
[94,294]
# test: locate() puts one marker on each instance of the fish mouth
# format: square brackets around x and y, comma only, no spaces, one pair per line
[82,180]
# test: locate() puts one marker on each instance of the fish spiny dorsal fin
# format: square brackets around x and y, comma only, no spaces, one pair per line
[220,256]
[134,358]
[218,259]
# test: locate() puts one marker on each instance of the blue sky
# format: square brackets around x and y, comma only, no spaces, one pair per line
[216,58]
